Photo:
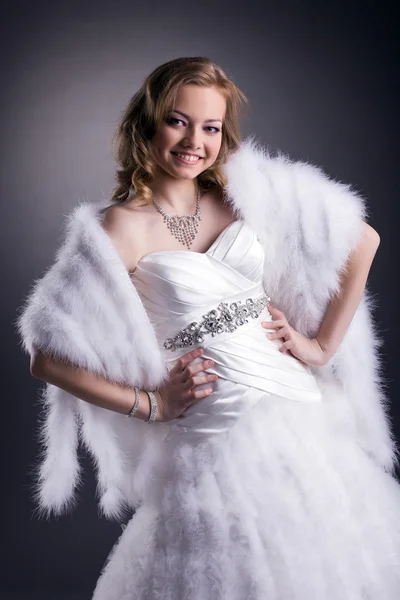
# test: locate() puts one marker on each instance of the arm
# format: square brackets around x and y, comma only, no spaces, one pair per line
[319,350]
[89,387]
[344,305]
[79,382]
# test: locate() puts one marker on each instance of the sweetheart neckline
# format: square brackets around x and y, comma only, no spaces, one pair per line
[189,251]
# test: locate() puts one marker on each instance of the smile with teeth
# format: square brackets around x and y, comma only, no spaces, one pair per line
[187,157]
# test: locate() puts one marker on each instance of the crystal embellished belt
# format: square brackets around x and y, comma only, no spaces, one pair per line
[226,317]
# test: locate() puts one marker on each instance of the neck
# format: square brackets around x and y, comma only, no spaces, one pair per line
[175,196]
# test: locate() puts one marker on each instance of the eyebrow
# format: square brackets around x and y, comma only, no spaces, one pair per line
[187,117]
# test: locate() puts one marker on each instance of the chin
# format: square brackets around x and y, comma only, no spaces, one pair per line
[185,173]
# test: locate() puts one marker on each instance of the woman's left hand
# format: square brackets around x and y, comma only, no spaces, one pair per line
[303,348]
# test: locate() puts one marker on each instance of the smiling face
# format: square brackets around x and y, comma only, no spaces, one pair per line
[193,127]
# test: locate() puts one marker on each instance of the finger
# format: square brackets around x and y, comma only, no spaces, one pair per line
[191,370]
[202,379]
[286,346]
[273,324]
[272,336]
[199,380]
[283,332]
[185,359]
[275,311]
[198,394]
[190,395]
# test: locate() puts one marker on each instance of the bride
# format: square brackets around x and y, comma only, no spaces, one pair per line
[208,336]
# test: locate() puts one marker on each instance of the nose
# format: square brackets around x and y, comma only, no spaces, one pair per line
[192,139]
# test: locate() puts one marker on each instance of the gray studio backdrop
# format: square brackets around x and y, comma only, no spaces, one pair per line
[322,87]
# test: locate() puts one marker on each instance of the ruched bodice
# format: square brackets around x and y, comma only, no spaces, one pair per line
[180,288]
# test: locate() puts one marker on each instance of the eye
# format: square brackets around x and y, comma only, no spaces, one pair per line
[174,121]
[170,120]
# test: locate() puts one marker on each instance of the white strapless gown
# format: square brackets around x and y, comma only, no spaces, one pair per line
[253,497]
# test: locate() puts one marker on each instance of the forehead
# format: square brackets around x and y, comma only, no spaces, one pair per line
[200,102]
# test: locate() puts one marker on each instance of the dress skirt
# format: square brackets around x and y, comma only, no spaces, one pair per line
[282,506]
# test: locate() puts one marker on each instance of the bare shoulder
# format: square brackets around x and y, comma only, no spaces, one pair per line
[126,226]
[371,234]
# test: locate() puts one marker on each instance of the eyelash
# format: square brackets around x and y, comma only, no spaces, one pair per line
[169,119]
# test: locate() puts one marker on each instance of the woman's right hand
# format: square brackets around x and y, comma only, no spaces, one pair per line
[180,392]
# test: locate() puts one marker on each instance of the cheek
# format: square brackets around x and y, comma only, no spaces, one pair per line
[213,148]
[164,138]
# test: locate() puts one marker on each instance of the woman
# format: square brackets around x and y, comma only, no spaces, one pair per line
[259,456]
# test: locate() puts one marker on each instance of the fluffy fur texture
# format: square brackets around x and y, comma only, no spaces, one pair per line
[86,310]
[309,224]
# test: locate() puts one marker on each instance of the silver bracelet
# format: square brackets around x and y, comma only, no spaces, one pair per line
[136,405]
[153,411]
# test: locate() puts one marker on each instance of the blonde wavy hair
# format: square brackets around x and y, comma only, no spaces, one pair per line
[146,111]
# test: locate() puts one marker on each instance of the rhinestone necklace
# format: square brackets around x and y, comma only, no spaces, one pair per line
[183,227]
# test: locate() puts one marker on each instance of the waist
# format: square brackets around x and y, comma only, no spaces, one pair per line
[213,322]
[250,368]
